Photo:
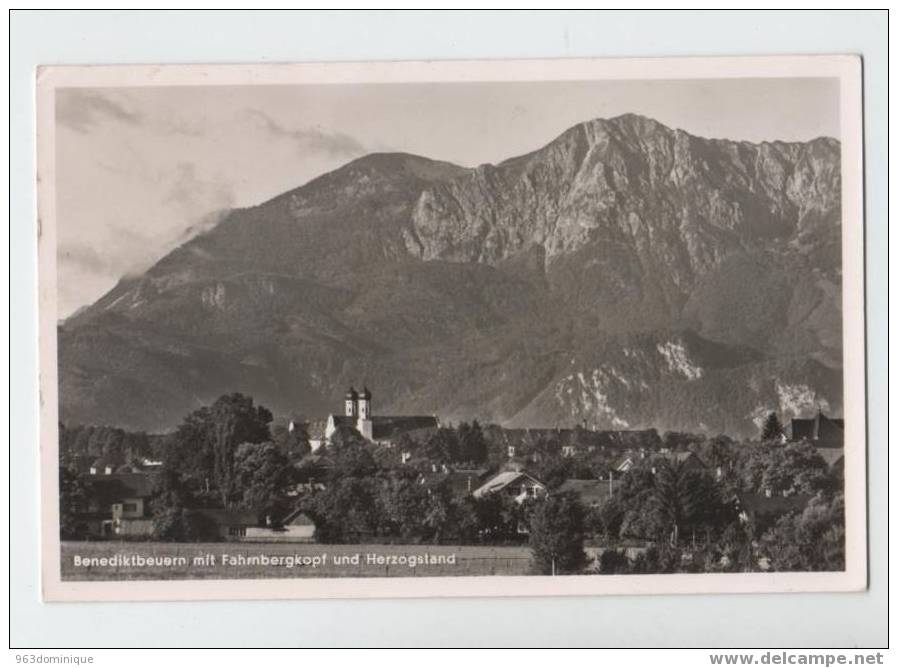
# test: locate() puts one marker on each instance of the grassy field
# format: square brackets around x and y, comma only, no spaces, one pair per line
[236,560]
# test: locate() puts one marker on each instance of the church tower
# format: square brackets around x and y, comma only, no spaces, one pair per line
[352,403]
[364,425]
[365,404]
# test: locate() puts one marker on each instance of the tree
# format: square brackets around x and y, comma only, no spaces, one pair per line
[556,535]
[687,499]
[173,518]
[350,455]
[674,499]
[796,468]
[471,444]
[73,495]
[402,507]
[442,446]
[734,549]
[294,443]
[813,540]
[264,475]
[346,511]
[497,517]
[203,448]
[772,430]
[610,516]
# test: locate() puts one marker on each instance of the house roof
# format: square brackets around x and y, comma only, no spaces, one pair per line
[817,427]
[387,427]
[502,480]
[681,457]
[589,491]
[763,505]
[298,518]
[103,462]
[316,429]
[621,463]
[222,517]
[831,456]
[613,439]
[460,481]
[123,485]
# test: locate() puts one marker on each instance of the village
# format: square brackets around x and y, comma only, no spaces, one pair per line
[614,501]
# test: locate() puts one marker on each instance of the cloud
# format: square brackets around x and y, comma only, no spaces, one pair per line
[200,202]
[82,109]
[308,139]
[84,257]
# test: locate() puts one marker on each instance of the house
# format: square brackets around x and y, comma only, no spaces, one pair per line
[765,509]
[118,505]
[297,527]
[382,429]
[626,463]
[592,493]
[102,466]
[461,482]
[820,430]
[686,459]
[630,459]
[317,431]
[229,524]
[517,485]
[571,442]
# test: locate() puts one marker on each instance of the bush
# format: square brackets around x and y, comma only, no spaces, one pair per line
[613,562]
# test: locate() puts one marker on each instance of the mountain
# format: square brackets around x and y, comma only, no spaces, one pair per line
[624,275]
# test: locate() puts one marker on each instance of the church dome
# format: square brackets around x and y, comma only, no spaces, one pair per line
[366,394]
[352,394]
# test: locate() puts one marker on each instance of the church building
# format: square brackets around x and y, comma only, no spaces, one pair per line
[358,414]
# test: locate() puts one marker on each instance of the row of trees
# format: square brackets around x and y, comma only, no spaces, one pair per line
[226,456]
[812,540]
[115,445]
[363,499]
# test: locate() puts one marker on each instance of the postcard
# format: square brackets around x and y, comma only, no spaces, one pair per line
[460,328]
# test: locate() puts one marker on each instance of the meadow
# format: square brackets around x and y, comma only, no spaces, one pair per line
[186,561]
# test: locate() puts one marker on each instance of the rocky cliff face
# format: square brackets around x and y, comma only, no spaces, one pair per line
[625,275]
[641,198]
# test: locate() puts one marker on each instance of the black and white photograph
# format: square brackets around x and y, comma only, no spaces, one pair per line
[423,328]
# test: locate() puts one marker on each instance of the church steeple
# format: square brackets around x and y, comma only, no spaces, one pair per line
[352,403]
[364,404]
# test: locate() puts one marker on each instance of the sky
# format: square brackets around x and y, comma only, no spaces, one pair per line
[142,169]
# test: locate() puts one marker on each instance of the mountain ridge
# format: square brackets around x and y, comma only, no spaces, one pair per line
[471,292]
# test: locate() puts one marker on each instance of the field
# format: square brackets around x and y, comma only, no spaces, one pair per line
[131,560]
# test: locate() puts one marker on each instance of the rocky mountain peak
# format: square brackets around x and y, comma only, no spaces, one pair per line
[626,273]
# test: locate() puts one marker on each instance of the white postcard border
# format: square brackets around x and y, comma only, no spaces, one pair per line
[844,67]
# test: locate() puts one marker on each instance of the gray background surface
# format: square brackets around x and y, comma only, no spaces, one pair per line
[784,620]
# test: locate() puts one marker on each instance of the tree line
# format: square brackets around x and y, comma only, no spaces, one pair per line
[227,455]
